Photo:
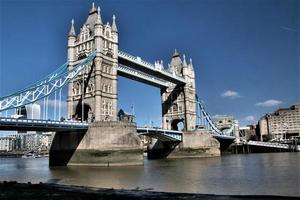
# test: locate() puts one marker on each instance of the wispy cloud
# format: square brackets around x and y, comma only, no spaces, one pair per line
[230,94]
[289,29]
[269,103]
[249,118]
[218,116]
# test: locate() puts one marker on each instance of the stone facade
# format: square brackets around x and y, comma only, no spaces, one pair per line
[179,101]
[93,93]
[281,124]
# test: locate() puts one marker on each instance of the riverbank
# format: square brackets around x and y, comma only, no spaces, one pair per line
[14,190]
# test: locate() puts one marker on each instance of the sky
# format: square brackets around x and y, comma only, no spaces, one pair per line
[246,53]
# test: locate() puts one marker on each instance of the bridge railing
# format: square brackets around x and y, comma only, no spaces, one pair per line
[170,134]
[269,144]
[40,121]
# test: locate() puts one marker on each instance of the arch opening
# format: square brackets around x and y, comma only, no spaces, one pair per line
[177,124]
[87,112]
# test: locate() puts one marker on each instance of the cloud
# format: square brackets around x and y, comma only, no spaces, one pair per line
[269,103]
[51,103]
[218,116]
[249,118]
[230,94]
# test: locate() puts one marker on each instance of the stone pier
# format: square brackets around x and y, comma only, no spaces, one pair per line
[103,144]
[195,144]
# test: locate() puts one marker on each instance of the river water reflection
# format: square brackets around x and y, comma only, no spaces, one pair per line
[273,174]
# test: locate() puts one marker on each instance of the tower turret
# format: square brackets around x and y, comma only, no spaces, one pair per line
[72,29]
[71,42]
[114,26]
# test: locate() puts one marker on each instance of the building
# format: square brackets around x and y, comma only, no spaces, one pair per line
[225,122]
[248,132]
[281,124]
[31,111]
[7,143]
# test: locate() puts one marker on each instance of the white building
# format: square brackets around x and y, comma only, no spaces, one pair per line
[7,143]
[283,123]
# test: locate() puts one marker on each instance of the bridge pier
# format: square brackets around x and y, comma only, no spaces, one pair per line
[195,144]
[103,144]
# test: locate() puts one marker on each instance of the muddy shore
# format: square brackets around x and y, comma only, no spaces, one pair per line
[28,191]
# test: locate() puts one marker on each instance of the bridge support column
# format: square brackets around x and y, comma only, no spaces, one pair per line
[104,144]
[196,144]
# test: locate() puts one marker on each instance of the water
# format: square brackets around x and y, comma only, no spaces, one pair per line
[272,174]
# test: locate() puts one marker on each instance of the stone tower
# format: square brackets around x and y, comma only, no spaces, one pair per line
[93,94]
[179,101]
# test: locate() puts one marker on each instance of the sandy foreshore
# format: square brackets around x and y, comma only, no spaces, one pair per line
[28,191]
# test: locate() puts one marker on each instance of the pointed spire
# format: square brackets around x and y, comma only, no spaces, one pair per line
[72,29]
[93,9]
[184,61]
[191,64]
[114,26]
[175,53]
[99,20]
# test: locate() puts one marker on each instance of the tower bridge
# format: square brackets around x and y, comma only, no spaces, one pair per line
[91,75]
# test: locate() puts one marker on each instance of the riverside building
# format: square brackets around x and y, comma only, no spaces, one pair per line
[281,124]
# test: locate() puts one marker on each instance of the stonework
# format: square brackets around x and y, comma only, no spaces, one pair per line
[104,144]
[179,101]
[197,144]
[109,144]
[93,93]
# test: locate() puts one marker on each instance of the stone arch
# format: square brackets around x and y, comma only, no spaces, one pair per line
[87,112]
[177,124]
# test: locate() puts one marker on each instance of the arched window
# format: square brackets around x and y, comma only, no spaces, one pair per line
[175,107]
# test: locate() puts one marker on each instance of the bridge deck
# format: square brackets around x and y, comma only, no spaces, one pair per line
[160,134]
[40,125]
[273,145]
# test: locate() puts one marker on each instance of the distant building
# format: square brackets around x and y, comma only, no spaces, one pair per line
[123,116]
[224,122]
[31,111]
[248,132]
[281,124]
[7,143]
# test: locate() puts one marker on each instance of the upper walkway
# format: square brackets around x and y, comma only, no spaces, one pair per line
[157,72]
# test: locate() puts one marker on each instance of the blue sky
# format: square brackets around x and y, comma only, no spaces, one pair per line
[245,52]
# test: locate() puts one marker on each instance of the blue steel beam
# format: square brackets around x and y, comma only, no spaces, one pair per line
[141,76]
[45,88]
[161,134]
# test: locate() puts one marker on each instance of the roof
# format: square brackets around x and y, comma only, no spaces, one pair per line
[176,62]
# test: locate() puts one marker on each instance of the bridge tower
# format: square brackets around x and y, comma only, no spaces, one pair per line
[179,101]
[93,93]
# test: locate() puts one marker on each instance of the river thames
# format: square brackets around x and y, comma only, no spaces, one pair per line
[260,174]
